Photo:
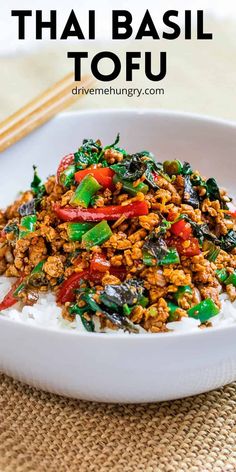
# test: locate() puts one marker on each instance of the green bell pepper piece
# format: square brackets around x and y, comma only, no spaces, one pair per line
[172,257]
[222,275]
[231,279]
[204,310]
[67,176]
[75,231]
[28,223]
[181,292]
[85,191]
[172,312]
[97,235]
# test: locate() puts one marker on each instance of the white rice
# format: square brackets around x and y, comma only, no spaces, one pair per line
[46,312]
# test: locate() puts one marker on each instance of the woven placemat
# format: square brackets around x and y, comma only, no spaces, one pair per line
[44,432]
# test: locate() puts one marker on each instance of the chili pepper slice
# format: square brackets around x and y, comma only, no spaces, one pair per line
[112,212]
[103,175]
[65,162]
[182,229]
[231,213]
[66,292]
[9,299]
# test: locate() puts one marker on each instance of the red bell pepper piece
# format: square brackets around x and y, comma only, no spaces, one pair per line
[182,229]
[118,271]
[9,300]
[231,213]
[109,213]
[99,263]
[192,250]
[66,292]
[65,162]
[103,175]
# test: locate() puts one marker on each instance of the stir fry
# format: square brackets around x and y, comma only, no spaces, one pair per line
[124,241]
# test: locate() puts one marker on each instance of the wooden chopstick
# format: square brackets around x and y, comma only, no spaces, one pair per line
[41,109]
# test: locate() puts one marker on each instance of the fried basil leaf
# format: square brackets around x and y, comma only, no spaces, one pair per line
[36,185]
[126,293]
[88,153]
[190,195]
[136,165]
[202,232]
[228,242]
[113,302]
[120,321]
[155,245]
[12,228]
[27,208]
[213,191]
[187,169]
[131,168]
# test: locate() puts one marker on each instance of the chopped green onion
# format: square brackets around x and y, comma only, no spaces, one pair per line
[204,310]
[28,224]
[126,310]
[36,270]
[148,259]
[75,231]
[212,250]
[129,187]
[89,300]
[222,275]
[67,176]
[172,311]
[231,279]
[173,167]
[143,301]
[172,257]
[97,235]
[84,192]
[181,292]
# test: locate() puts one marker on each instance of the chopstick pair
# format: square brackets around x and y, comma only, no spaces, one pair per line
[41,109]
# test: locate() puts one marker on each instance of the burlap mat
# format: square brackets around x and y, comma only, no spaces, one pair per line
[43,432]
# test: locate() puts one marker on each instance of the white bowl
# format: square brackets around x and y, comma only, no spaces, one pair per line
[121,368]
